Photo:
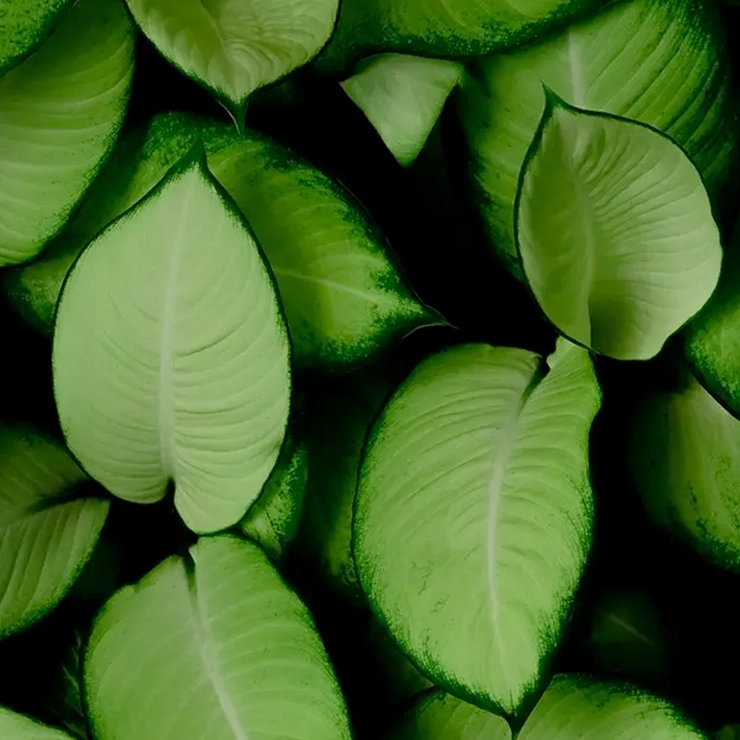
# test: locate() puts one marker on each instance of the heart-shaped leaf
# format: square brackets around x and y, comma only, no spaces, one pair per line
[48,526]
[61,110]
[15,726]
[212,645]
[436,28]
[234,47]
[663,63]
[273,519]
[403,96]
[712,338]
[615,231]
[684,460]
[572,708]
[474,515]
[181,373]
[24,24]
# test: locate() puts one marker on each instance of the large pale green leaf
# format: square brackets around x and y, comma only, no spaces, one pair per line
[213,645]
[48,525]
[24,24]
[403,96]
[712,338]
[181,372]
[615,231]
[60,111]
[685,461]
[273,519]
[662,63]
[572,708]
[15,726]
[344,299]
[234,47]
[444,29]
[474,515]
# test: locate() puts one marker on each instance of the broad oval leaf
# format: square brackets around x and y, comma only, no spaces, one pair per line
[343,297]
[684,457]
[273,519]
[661,63]
[24,24]
[14,726]
[48,525]
[402,97]
[436,28]
[234,47]
[712,338]
[214,645]
[615,231]
[60,111]
[181,373]
[572,708]
[474,515]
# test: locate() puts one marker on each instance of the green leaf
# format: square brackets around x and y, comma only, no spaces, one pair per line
[66,703]
[48,526]
[572,708]
[436,28]
[344,299]
[213,645]
[234,47]
[474,515]
[403,96]
[181,373]
[61,110]
[273,519]
[662,63]
[15,726]
[684,460]
[712,338]
[615,232]
[24,24]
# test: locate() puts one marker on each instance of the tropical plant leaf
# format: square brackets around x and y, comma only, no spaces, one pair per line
[615,231]
[344,299]
[48,525]
[181,374]
[403,96]
[61,110]
[664,64]
[685,460]
[439,29]
[273,519]
[212,645]
[712,339]
[24,24]
[67,703]
[474,509]
[15,726]
[572,708]
[234,47]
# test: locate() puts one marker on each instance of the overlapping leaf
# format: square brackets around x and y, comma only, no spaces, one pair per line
[615,231]
[60,111]
[181,372]
[474,515]
[213,645]
[15,726]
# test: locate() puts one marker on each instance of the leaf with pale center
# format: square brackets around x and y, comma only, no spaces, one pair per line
[213,645]
[662,63]
[474,515]
[48,525]
[234,47]
[60,111]
[171,357]
[403,96]
[615,231]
